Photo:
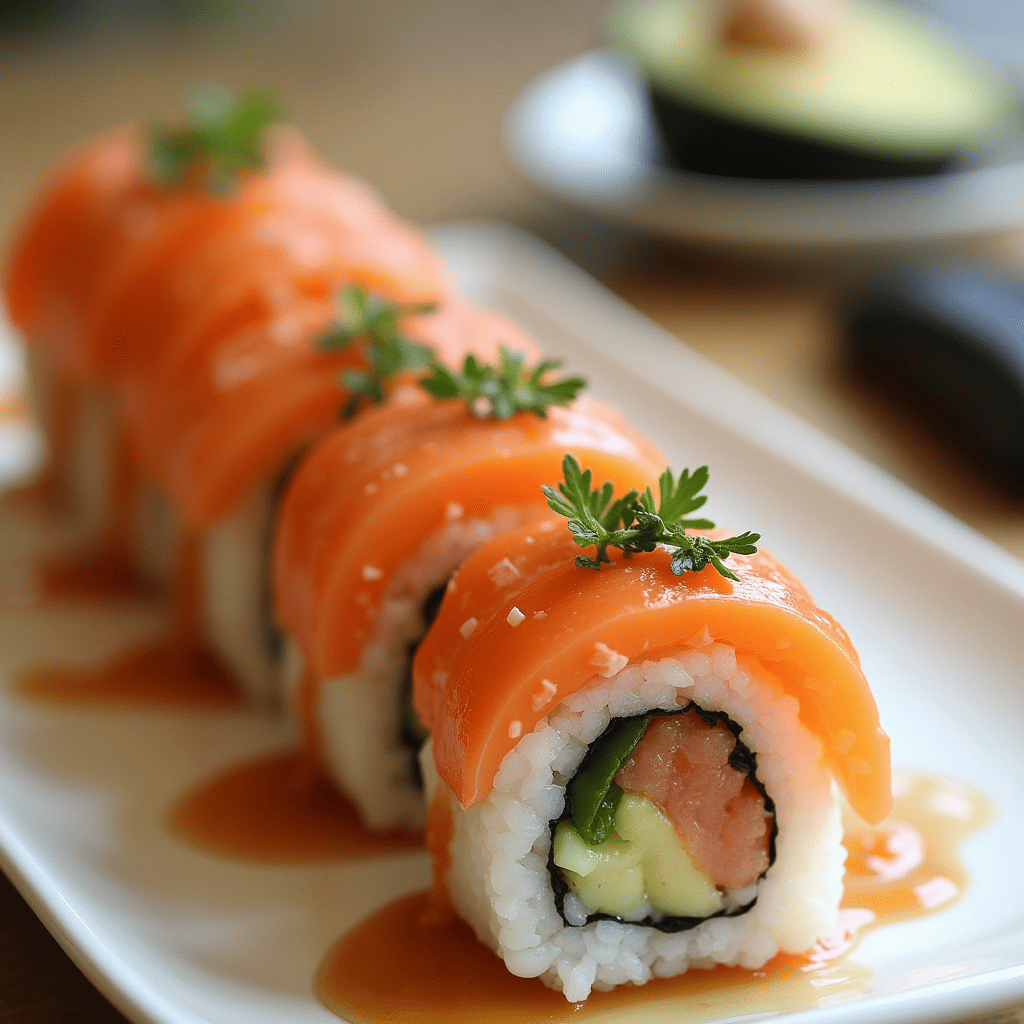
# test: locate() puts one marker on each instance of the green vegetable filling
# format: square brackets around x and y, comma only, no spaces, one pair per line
[641,866]
[593,795]
[620,853]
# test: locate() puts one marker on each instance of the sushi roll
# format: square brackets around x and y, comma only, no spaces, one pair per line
[174,327]
[809,89]
[638,772]
[374,523]
[229,466]
[125,263]
[218,418]
[96,223]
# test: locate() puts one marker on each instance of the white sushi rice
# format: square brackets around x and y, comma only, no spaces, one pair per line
[233,553]
[361,712]
[88,473]
[88,468]
[234,556]
[499,881]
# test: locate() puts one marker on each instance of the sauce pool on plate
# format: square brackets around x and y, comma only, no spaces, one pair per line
[905,868]
[174,670]
[280,809]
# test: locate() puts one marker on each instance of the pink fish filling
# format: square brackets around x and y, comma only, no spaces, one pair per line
[682,765]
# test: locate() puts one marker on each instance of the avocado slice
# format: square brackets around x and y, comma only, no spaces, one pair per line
[886,94]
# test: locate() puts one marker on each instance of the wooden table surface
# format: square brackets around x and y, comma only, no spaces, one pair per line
[412,95]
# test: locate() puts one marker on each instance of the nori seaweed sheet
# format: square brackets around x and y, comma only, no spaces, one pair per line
[408,737]
[742,759]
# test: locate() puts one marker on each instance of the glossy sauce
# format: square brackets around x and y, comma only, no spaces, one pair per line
[158,674]
[904,868]
[280,809]
[174,670]
[97,574]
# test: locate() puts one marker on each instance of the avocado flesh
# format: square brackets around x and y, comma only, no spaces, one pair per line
[644,862]
[888,88]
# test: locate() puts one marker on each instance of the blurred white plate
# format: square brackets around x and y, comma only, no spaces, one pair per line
[584,132]
[175,936]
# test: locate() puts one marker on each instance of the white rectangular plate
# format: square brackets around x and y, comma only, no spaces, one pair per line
[176,936]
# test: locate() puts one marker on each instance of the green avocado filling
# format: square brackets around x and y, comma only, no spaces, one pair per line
[642,863]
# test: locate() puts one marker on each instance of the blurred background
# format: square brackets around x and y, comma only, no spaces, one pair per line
[414,96]
[411,94]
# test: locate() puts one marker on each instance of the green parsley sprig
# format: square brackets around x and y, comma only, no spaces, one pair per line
[633,523]
[221,139]
[389,352]
[488,391]
[501,391]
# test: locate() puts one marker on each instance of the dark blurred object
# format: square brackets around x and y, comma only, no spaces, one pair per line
[949,342]
[22,15]
[60,17]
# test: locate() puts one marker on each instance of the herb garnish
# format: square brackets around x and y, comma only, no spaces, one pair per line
[496,392]
[502,391]
[221,139]
[632,523]
[378,319]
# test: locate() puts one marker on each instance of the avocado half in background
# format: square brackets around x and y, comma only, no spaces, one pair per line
[883,94]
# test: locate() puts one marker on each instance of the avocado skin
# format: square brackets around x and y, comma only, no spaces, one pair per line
[700,141]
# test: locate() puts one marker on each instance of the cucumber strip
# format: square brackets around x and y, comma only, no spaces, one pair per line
[593,795]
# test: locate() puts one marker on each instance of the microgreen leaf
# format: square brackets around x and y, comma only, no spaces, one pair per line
[221,139]
[634,523]
[503,390]
[378,320]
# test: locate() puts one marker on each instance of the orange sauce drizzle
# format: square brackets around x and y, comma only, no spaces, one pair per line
[909,865]
[280,809]
[172,671]
[307,705]
[437,910]
[904,868]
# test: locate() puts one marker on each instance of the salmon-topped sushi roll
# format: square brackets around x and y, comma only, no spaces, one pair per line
[636,751]
[374,523]
[242,410]
[102,216]
[182,308]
